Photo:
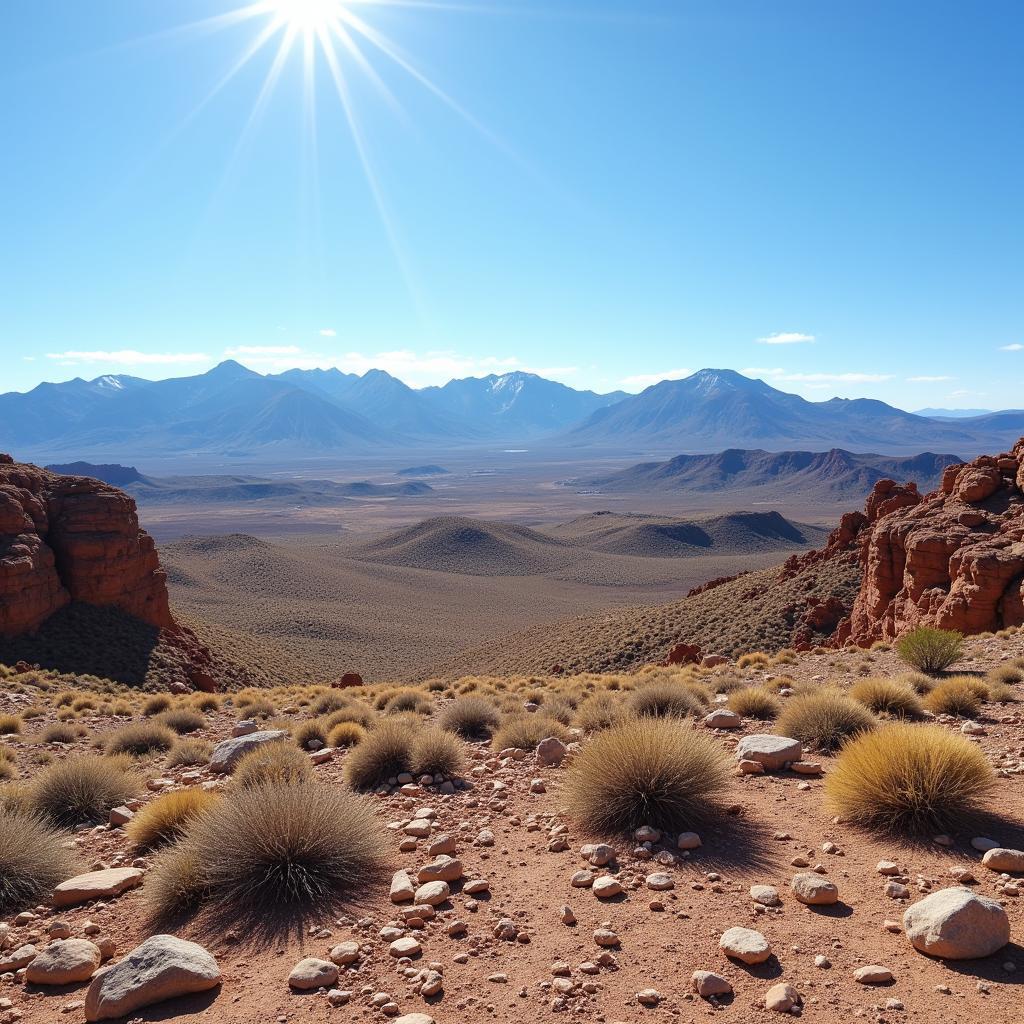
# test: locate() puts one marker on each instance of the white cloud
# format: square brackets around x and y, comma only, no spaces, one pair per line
[328,332]
[778,374]
[928,380]
[263,350]
[128,357]
[639,381]
[786,338]
[1015,347]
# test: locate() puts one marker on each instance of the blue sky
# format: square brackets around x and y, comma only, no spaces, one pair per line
[605,192]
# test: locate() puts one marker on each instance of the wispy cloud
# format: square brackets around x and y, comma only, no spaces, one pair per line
[1015,347]
[787,338]
[778,374]
[128,357]
[328,332]
[928,380]
[263,350]
[639,381]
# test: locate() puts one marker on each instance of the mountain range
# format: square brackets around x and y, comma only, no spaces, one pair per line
[836,473]
[231,410]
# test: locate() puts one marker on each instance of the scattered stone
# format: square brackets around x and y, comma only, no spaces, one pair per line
[888,867]
[96,885]
[688,841]
[957,924]
[766,895]
[598,854]
[162,967]
[872,974]
[648,997]
[405,946]
[1001,859]
[745,945]
[606,887]
[441,869]
[659,881]
[983,845]
[345,953]
[63,962]
[227,753]
[781,998]
[707,984]
[813,890]
[17,958]
[433,893]
[771,752]
[402,889]
[313,973]
[551,752]
[723,718]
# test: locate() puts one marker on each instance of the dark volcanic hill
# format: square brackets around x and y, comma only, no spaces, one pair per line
[836,473]
[119,476]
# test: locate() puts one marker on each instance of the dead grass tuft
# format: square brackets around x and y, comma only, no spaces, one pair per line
[169,817]
[823,719]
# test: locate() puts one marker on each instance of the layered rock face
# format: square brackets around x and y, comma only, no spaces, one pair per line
[71,538]
[953,559]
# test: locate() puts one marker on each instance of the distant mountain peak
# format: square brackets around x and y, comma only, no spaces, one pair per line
[230,369]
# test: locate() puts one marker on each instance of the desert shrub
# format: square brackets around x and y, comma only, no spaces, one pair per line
[954,697]
[189,752]
[824,719]
[930,650]
[700,692]
[909,778]
[474,718]
[10,725]
[278,763]
[32,860]
[64,699]
[328,702]
[524,731]
[386,752]
[32,712]
[157,703]
[1008,674]
[310,732]
[181,720]
[658,772]
[436,752]
[169,817]
[272,849]
[80,790]
[754,702]
[83,704]
[599,712]
[887,697]
[918,682]
[16,798]
[59,732]
[1002,693]
[358,713]
[346,734]
[140,739]
[408,700]
[664,700]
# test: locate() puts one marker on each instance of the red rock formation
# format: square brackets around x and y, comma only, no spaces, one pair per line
[71,538]
[684,654]
[952,559]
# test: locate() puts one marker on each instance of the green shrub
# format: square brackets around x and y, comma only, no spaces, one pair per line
[930,650]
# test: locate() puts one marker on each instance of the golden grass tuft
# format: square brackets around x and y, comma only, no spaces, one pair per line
[754,702]
[181,720]
[909,778]
[169,817]
[279,763]
[601,711]
[887,697]
[346,734]
[189,753]
[436,752]
[385,753]
[33,859]
[473,718]
[273,849]
[10,725]
[823,719]
[140,739]
[664,700]
[308,734]
[645,771]
[1007,673]
[956,696]
[82,790]
[155,704]
[524,731]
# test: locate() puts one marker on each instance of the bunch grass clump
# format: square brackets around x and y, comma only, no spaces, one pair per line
[473,718]
[436,752]
[169,817]
[82,790]
[1008,674]
[140,739]
[824,719]
[887,697]
[32,859]
[60,732]
[930,650]
[524,731]
[346,734]
[754,702]
[278,763]
[954,697]
[308,734]
[189,753]
[645,771]
[155,704]
[385,753]
[665,700]
[601,711]
[10,725]
[272,850]
[909,778]
[181,720]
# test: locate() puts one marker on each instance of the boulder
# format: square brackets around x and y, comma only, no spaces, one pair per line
[64,962]
[745,945]
[551,752]
[781,998]
[227,753]
[162,967]
[957,924]
[1001,859]
[722,718]
[13,960]
[813,890]
[772,752]
[313,973]
[96,885]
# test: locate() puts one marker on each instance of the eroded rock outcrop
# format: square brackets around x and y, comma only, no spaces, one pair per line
[72,538]
[953,559]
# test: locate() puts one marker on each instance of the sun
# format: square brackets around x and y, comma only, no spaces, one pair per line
[308,15]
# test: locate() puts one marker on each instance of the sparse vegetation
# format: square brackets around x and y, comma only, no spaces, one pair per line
[909,778]
[385,753]
[346,734]
[823,719]
[33,859]
[524,731]
[189,752]
[311,734]
[169,817]
[10,725]
[156,704]
[664,700]
[181,720]
[599,712]
[646,771]
[930,650]
[436,752]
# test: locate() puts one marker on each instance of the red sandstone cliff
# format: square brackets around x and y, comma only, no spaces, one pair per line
[952,559]
[71,538]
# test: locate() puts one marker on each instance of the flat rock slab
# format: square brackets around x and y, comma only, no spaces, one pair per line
[64,962]
[96,885]
[957,924]
[227,753]
[163,967]
[773,752]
